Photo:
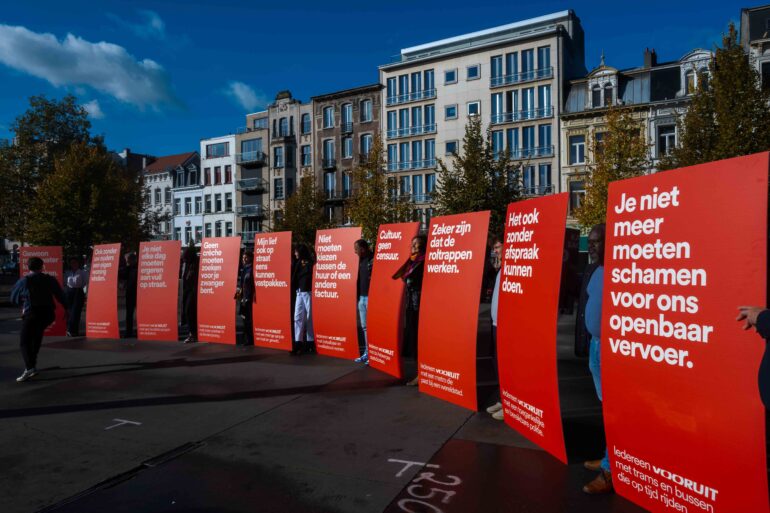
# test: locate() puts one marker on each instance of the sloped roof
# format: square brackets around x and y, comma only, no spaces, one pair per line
[169,162]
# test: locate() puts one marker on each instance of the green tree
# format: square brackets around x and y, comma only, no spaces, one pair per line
[621,153]
[303,212]
[729,113]
[42,136]
[479,179]
[373,201]
[88,199]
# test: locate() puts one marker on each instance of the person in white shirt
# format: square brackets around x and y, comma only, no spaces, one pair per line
[75,281]
[496,410]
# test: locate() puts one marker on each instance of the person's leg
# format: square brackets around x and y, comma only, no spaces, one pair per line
[26,339]
[248,327]
[594,365]
[69,295]
[130,306]
[77,310]
[43,319]
[310,336]
[363,302]
[299,321]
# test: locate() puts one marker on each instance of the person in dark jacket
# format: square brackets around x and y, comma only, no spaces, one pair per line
[365,263]
[302,279]
[129,274]
[411,273]
[246,297]
[35,293]
[190,265]
[75,281]
[582,337]
[759,318]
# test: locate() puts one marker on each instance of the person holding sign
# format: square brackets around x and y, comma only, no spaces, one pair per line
[496,410]
[366,261]
[759,318]
[35,293]
[302,281]
[75,280]
[130,275]
[593,321]
[245,295]
[190,264]
[412,272]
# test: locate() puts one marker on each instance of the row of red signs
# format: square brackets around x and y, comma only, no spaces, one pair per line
[684,423]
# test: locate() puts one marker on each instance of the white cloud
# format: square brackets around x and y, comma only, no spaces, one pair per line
[245,95]
[106,67]
[94,109]
[151,26]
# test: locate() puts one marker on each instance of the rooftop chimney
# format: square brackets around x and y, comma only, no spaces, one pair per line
[650,58]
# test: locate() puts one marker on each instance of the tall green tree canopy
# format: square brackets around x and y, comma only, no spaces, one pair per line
[729,114]
[303,212]
[373,202]
[479,179]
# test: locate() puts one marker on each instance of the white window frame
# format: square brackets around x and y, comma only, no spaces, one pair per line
[477,103]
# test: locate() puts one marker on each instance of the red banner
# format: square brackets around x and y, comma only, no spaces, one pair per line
[335,301]
[102,302]
[449,307]
[272,290]
[385,314]
[217,281]
[53,265]
[684,422]
[157,297]
[526,320]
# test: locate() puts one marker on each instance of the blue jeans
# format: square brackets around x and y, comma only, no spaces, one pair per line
[363,305]
[595,366]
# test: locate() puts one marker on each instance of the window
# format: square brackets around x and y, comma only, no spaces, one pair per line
[544,100]
[689,80]
[392,88]
[346,184]
[527,102]
[217,175]
[430,117]
[666,140]
[207,204]
[167,196]
[544,139]
[544,178]
[403,85]
[527,63]
[607,95]
[430,151]
[198,233]
[217,202]
[192,178]
[473,72]
[577,149]
[347,115]
[187,234]
[177,206]
[528,179]
[474,108]
[577,191]
[157,196]
[496,68]
[206,176]
[217,150]
[328,117]
[218,229]
[450,112]
[259,123]
[403,150]
[596,97]
[306,155]
[178,233]
[228,229]
[328,149]
[392,123]
[765,74]
[198,204]
[283,127]
[228,202]
[392,156]
[289,186]
[347,148]
[497,107]
[497,143]
[512,63]
[329,184]
[416,84]
[366,111]
[278,156]
[289,159]
[404,183]
[430,183]
[366,144]
[544,57]
[417,154]
[416,118]
[305,123]
[528,141]
[599,142]
[228,174]
[207,228]
[403,119]
[450,76]
[428,80]
[187,206]
[451,148]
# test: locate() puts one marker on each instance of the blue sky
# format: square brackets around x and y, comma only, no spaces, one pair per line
[159,76]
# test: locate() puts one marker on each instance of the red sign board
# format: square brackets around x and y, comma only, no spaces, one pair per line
[684,422]
[449,307]
[386,297]
[102,303]
[157,297]
[217,281]
[272,290]
[53,265]
[526,320]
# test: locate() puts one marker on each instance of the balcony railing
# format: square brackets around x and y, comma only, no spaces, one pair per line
[248,236]
[251,184]
[335,195]
[412,130]
[328,164]
[524,76]
[415,96]
[346,127]
[536,190]
[249,211]
[421,198]
[531,153]
[411,164]
[251,157]
[283,137]
[247,129]
[522,115]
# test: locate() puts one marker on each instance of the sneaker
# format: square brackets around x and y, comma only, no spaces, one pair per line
[189,340]
[495,408]
[26,375]
[414,382]
[364,358]
[498,415]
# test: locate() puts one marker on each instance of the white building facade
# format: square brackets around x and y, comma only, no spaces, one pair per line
[218,175]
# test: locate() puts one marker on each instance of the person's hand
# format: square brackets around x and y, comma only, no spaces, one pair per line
[749,314]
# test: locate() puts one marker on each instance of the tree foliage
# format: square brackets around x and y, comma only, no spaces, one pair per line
[373,201]
[303,212]
[728,116]
[622,153]
[479,179]
[88,199]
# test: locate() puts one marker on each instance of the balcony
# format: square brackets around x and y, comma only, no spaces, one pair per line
[346,127]
[416,96]
[251,185]
[419,199]
[251,158]
[335,195]
[282,138]
[532,153]
[524,76]
[249,129]
[249,211]
[536,190]
[411,131]
[329,164]
[411,164]
[248,236]
[522,115]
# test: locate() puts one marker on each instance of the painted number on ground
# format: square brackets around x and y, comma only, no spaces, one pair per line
[429,490]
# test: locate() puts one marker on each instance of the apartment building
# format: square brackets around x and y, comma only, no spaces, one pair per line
[346,124]
[252,175]
[158,178]
[755,39]
[512,76]
[656,94]
[218,163]
[188,199]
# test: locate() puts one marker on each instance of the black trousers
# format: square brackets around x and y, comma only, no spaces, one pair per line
[411,323]
[130,309]
[248,324]
[75,299]
[34,323]
[190,310]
